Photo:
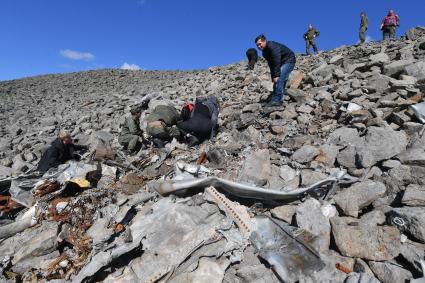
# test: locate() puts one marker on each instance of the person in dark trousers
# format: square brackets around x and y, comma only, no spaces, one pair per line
[364,23]
[201,123]
[389,25]
[61,150]
[130,131]
[281,61]
[252,56]
[310,39]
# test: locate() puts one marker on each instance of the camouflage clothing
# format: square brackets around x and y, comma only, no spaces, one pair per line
[364,23]
[309,37]
[130,133]
[161,123]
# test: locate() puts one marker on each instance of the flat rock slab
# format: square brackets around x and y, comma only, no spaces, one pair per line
[377,243]
[414,195]
[381,144]
[389,273]
[310,217]
[305,154]
[257,168]
[414,218]
[358,196]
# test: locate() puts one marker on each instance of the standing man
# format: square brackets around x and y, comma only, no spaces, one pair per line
[389,25]
[281,61]
[310,38]
[364,23]
[130,130]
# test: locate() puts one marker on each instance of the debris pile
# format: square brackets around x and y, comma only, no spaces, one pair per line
[329,187]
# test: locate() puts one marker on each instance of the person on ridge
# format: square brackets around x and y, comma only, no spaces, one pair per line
[281,61]
[130,131]
[252,56]
[364,23]
[389,25]
[310,38]
[60,151]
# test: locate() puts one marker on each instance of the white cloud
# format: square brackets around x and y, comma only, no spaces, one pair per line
[75,55]
[132,67]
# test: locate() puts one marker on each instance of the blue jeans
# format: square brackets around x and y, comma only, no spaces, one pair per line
[279,87]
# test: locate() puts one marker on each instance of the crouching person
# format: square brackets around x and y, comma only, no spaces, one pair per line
[60,151]
[161,125]
[200,123]
[131,134]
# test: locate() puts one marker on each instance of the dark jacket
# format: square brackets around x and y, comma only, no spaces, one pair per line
[58,153]
[203,122]
[276,55]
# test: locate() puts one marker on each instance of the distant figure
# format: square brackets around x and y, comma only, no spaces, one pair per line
[201,122]
[364,23]
[60,151]
[161,124]
[281,61]
[130,131]
[252,58]
[389,25]
[310,38]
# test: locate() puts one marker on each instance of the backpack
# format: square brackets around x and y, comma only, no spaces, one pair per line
[390,21]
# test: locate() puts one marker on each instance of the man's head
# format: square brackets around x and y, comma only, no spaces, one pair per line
[136,112]
[310,26]
[362,14]
[391,12]
[261,41]
[64,136]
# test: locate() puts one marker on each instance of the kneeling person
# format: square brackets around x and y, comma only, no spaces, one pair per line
[201,123]
[161,124]
[130,131]
[60,151]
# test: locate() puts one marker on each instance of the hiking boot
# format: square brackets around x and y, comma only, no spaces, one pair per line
[274,104]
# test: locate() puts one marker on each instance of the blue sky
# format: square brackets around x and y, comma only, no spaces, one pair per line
[58,36]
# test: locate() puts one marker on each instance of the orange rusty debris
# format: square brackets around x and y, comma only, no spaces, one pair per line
[343,268]
[47,187]
[321,157]
[8,205]
[202,158]
[119,228]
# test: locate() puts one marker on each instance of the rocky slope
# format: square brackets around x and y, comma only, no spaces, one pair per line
[355,109]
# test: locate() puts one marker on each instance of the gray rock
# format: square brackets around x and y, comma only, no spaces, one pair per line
[257,168]
[40,244]
[360,278]
[358,196]
[310,217]
[416,70]
[309,177]
[284,212]
[413,156]
[5,171]
[414,219]
[390,164]
[378,83]
[336,60]
[380,58]
[389,273]
[367,242]
[345,136]
[348,157]
[380,144]
[373,218]
[290,176]
[395,68]
[305,154]
[414,196]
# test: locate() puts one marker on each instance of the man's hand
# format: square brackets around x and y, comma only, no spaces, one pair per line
[274,80]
